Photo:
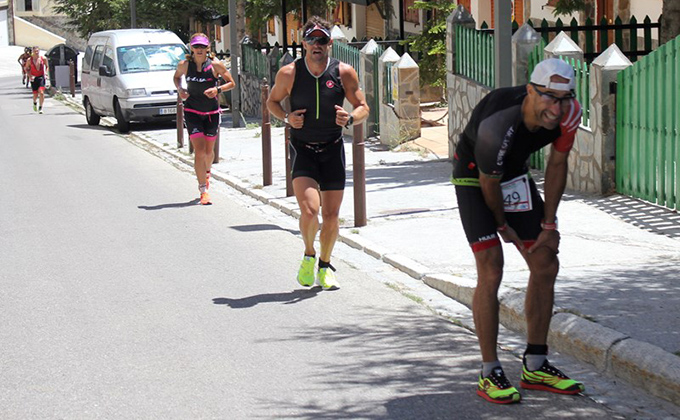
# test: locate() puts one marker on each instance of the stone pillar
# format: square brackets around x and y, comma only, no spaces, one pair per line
[523,43]
[387,117]
[564,46]
[603,72]
[406,77]
[367,84]
[337,35]
[273,61]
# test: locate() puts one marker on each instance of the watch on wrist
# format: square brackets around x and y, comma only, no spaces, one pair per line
[219,89]
[285,119]
[350,121]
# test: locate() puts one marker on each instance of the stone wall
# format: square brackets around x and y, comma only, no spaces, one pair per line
[462,95]
[251,95]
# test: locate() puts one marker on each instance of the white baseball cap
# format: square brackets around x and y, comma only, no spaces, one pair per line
[553,67]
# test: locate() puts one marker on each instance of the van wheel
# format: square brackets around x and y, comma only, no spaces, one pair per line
[122,124]
[90,115]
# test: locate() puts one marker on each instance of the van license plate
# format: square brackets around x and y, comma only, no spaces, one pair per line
[168,111]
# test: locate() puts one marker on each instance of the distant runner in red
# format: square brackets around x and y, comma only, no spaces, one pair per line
[23,58]
[38,72]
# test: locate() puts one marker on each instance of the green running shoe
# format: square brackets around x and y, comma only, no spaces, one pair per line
[549,378]
[306,272]
[35,107]
[326,278]
[496,388]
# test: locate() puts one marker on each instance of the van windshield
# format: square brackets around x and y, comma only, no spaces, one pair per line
[144,58]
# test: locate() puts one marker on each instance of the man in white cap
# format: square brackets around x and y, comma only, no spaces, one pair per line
[498,198]
[317,86]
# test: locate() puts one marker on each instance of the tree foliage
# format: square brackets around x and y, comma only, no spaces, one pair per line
[90,16]
[431,43]
[567,7]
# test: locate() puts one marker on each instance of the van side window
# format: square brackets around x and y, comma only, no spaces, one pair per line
[108,60]
[98,55]
[87,60]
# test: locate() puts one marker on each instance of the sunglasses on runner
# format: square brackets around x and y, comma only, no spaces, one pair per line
[552,99]
[316,40]
[199,46]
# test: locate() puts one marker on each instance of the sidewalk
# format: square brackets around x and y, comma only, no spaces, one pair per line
[617,296]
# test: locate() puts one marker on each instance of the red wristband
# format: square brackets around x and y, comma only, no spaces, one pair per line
[549,226]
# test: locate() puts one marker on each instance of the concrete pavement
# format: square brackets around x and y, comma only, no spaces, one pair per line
[617,295]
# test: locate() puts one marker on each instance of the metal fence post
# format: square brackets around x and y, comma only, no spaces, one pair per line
[359,176]
[216,146]
[72,78]
[289,169]
[180,122]
[266,137]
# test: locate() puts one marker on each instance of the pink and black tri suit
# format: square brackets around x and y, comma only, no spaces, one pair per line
[201,114]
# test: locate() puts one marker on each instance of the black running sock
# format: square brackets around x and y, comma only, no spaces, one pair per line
[312,256]
[324,264]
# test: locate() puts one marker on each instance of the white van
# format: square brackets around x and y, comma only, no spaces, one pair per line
[128,74]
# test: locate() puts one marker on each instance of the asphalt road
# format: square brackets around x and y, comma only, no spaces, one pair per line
[123,298]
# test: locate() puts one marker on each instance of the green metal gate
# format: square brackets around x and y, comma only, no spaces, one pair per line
[648,127]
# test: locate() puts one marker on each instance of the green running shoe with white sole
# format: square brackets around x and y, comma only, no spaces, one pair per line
[496,388]
[326,278]
[549,378]
[306,272]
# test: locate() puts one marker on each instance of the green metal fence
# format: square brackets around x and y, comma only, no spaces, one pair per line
[347,54]
[387,83]
[254,61]
[475,55]
[648,127]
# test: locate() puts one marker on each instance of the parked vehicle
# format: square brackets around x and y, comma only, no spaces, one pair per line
[128,73]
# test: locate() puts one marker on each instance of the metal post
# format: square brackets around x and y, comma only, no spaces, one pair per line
[72,77]
[266,137]
[235,52]
[216,146]
[359,176]
[289,169]
[133,14]
[503,43]
[180,122]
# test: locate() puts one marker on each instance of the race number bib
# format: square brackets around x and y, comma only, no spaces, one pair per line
[517,195]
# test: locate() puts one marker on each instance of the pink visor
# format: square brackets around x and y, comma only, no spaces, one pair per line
[200,40]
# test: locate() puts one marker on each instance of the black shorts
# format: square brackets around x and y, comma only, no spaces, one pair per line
[480,225]
[37,83]
[202,125]
[323,162]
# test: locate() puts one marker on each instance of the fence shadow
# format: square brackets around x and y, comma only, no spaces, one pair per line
[644,215]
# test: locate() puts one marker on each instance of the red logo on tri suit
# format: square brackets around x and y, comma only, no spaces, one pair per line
[330,84]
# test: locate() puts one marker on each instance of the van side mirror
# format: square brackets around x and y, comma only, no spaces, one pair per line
[104,71]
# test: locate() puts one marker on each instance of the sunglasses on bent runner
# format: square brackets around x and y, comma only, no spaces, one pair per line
[314,40]
[552,99]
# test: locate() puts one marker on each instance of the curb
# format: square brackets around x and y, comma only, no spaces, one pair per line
[639,363]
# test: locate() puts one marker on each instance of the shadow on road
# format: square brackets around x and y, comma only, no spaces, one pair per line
[262,227]
[193,202]
[286,298]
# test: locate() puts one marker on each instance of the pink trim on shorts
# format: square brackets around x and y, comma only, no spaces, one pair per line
[208,138]
[193,111]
